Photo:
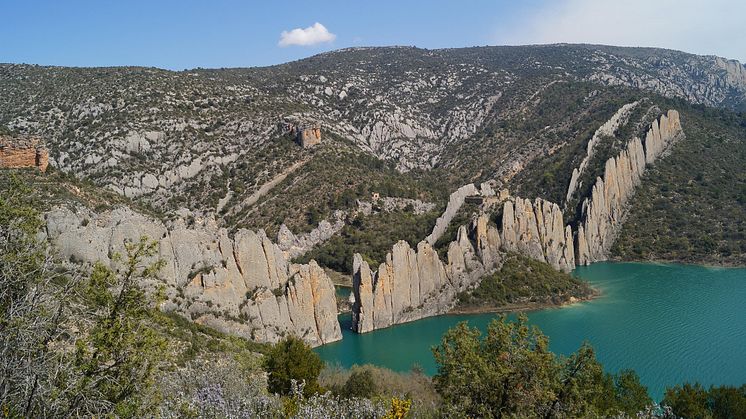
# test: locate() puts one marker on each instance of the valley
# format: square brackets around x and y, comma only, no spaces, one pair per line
[588,185]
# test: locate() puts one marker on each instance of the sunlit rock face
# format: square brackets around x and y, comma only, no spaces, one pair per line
[606,208]
[242,284]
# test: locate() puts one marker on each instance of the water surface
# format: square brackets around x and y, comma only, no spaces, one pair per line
[670,323]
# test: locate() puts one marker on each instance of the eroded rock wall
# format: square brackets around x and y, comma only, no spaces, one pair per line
[455,201]
[414,283]
[536,229]
[241,285]
[605,210]
[608,129]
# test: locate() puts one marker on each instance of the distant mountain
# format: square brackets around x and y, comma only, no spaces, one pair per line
[406,122]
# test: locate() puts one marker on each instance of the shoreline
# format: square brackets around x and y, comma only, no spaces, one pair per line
[677,262]
[523,307]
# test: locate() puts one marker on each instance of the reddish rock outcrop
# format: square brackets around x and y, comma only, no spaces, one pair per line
[21,152]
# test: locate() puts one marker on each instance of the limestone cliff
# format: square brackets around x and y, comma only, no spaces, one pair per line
[537,230]
[608,129]
[605,210]
[412,284]
[241,285]
[455,201]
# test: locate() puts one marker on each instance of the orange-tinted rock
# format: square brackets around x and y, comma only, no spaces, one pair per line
[20,152]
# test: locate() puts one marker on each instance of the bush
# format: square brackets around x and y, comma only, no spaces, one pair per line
[292,359]
[694,401]
[510,372]
[360,384]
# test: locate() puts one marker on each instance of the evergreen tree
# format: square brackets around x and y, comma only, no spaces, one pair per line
[115,361]
[292,359]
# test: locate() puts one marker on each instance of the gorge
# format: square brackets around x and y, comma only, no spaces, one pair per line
[353,231]
[414,284]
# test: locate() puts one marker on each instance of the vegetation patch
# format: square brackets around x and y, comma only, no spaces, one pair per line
[691,205]
[373,236]
[525,282]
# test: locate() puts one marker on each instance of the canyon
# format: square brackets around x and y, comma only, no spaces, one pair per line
[244,283]
[413,284]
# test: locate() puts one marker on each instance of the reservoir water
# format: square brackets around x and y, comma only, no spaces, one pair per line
[670,323]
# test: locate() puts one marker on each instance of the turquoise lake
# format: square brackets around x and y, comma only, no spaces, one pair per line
[670,323]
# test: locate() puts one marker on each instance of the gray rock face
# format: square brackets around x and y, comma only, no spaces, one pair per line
[241,285]
[413,284]
[455,201]
[608,129]
[537,230]
[408,286]
[295,246]
[605,210]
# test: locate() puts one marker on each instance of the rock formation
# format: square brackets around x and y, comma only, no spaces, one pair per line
[455,201]
[21,152]
[537,230]
[405,287]
[608,129]
[241,285]
[413,284]
[605,210]
[298,245]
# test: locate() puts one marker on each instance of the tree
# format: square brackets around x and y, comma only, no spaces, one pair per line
[688,400]
[694,401]
[506,373]
[510,372]
[35,296]
[631,395]
[292,359]
[70,347]
[728,402]
[582,388]
[114,363]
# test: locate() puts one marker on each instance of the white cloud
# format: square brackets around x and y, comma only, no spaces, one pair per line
[713,27]
[312,35]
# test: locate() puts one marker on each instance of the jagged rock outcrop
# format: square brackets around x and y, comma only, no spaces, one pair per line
[408,286]
[537,230]
[413,284]
[608,129]
[604,212]
[241,285]
[20,152]
[298,245]
[455,201]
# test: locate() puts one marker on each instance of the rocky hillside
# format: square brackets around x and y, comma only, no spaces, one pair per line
[208,140]
[432,166]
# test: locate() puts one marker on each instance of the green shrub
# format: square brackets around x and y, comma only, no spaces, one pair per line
[292,359]
[360,384]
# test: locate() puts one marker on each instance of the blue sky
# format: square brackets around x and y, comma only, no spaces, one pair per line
[231,33]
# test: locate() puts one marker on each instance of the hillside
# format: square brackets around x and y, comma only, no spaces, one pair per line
[402,123]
